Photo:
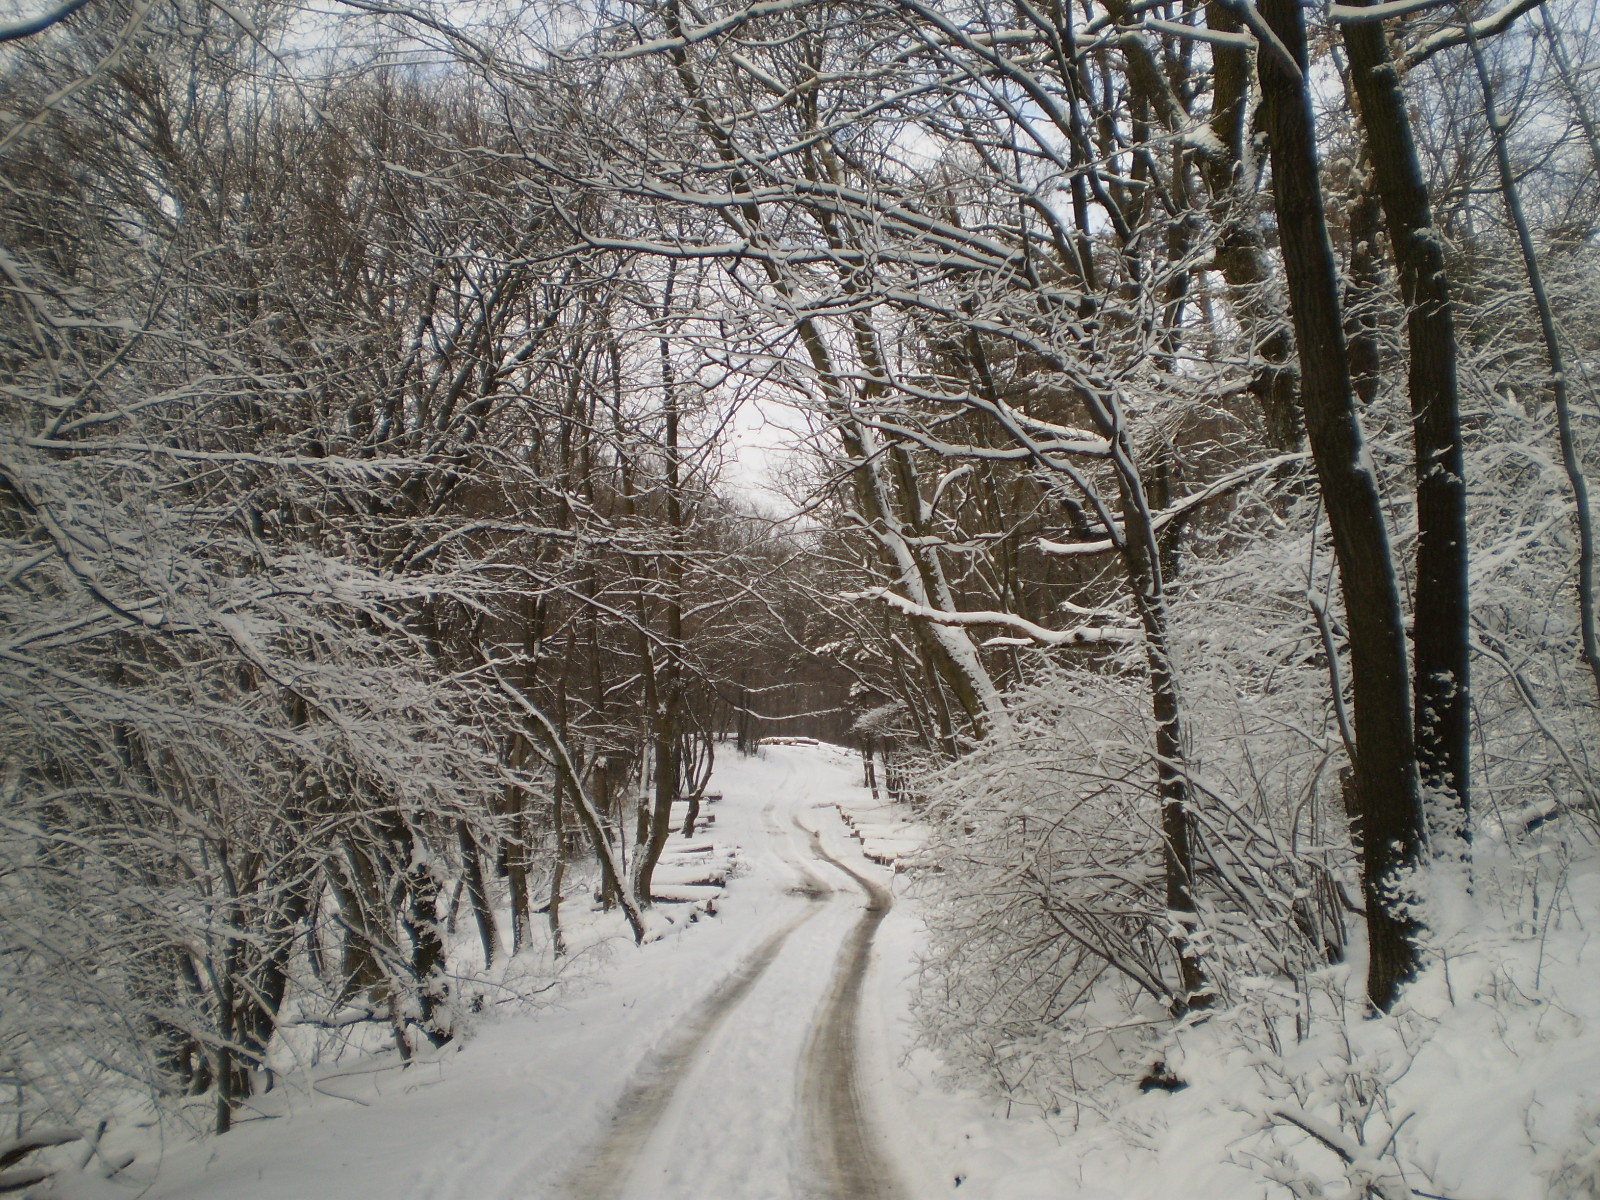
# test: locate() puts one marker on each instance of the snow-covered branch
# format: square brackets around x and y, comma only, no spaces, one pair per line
[1083,635]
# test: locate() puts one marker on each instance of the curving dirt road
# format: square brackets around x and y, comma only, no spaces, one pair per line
[671,1135]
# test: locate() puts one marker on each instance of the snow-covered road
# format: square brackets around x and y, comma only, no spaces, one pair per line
[728,1058]
[756,1094]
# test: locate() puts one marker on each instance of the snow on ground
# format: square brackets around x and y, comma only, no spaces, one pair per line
[1486,1077]
[1491,1067]
[513,1112]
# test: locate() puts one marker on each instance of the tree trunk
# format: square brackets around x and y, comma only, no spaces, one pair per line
[1439,639]
[361,967]
[558,873]
[477,890]
[1142,562]
[1390,817]
[419,915]
[669,681]
[665,791]
[514,851]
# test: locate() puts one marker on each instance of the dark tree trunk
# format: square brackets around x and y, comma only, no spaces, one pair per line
[515,853]
[669,684]
[745,723]
[1389,823]
[558,870]
[419,915]
[1440,647]
[354,887]
[665,791]
[477,890]
[1142,561]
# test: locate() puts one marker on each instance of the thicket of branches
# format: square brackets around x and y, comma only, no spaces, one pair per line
[1110,323]
[1197,488]
[362,568]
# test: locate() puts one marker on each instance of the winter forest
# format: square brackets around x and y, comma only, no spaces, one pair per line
[1111,477]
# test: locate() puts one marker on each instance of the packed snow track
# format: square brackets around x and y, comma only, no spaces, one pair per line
[661,1143]
[848,1164]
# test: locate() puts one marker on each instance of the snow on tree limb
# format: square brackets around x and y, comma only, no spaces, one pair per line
[1083,635]
[1230,482]
[1495,23]
[15,30]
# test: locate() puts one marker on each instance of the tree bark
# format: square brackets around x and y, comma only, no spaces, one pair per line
[1389,823]
[477,890]
[669,679]
[558,873]
[514,851]
[1439,640]
[1142,561]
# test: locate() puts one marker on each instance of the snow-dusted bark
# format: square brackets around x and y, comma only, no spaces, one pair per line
[1389,816]
[1441,672]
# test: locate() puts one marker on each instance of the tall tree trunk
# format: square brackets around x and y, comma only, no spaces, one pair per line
[1389,822]
[1142,561]
[1439,639]
[515,851]
[419,916]
[354,888]
[665,787]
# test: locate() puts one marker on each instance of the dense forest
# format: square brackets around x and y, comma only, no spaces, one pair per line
[1191,520]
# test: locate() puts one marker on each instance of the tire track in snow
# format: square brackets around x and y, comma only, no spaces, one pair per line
[605,1175]
[846,1161]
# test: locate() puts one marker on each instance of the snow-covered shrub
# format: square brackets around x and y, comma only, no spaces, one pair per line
[1051,967]
[202,735]
[1048,884]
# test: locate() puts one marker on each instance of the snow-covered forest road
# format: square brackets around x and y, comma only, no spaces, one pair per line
[1100,500]
[760,1082]
[743,1055]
